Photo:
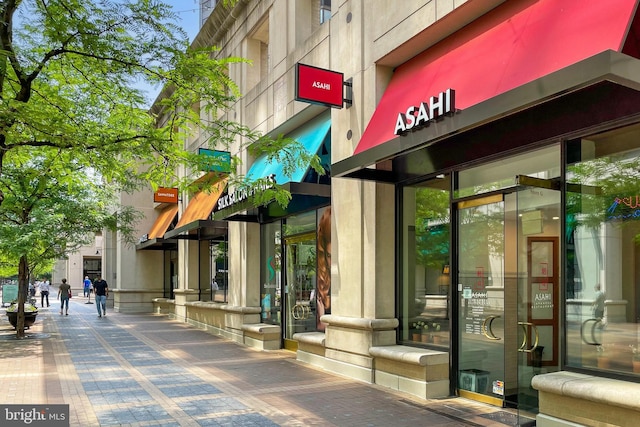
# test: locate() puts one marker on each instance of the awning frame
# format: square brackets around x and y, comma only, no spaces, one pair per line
[158,244]
[199,230]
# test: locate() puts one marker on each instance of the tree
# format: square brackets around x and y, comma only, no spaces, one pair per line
[51,207]
[69,74]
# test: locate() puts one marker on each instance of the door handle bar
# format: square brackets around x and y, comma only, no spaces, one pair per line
[486,328]
[525,340]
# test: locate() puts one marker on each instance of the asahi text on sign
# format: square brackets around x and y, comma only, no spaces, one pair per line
[319,86]
[421,115]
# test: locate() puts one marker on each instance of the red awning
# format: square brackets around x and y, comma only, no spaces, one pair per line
[518,42]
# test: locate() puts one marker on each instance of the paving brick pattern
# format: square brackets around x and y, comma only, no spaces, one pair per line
[148,370]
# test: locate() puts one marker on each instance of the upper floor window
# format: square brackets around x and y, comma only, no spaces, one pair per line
[206,7]
[325,11]
[258,53]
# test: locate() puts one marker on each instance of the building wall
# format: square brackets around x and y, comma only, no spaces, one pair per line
[71,268]
[365,40]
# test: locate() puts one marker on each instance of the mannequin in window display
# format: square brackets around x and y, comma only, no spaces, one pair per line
[323,296]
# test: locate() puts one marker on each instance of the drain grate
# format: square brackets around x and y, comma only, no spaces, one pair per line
[444,414]
[509,419]
[502,417]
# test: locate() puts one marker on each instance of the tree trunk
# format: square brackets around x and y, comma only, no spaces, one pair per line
[2,151]
[23,288]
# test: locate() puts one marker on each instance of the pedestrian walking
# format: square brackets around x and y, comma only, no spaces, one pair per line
[101,292]
[64,293]
[87,286]
[44,292]
[214,289]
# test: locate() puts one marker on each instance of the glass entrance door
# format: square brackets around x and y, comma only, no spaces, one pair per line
[485,329]
[508,280]
[538,229]
[300,284]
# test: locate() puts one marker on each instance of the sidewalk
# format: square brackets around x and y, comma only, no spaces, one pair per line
[148,370]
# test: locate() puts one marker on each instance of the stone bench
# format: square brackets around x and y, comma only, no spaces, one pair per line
[312,342]
[262,335]
[420,372]
[164,306]
[311,348]
[570,399]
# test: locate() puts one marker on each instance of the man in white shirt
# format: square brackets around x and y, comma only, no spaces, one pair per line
[44,292]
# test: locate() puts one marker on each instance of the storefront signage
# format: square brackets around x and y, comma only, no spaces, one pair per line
[166,195]
[629,208]
[542,301]
[319,86]
[215,161]
[474,306]
[231,198]
[416,117]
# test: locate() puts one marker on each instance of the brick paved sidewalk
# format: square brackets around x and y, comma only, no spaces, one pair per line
[147,370]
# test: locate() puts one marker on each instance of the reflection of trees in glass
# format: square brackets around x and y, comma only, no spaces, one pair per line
[608,190]
[219,252]
[432,227]
[482,234]
[599,190]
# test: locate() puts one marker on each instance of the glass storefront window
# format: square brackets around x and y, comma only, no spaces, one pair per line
[322,297]
[270,271]
[426,274]
[301,223]
[296,271]
[300,246]
[219,267]
[603,251]
[502,173]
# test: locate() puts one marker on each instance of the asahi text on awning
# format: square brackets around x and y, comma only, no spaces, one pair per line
[419,116]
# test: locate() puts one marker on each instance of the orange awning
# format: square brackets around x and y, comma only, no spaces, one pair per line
[163,221]
[202,203]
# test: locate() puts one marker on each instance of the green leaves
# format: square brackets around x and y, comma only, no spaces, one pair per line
[75,128]
[52,205]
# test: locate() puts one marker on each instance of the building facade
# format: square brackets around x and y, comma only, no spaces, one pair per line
[87,261]
[475,232]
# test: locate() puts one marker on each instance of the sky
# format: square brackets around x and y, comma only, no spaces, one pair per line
[188,12]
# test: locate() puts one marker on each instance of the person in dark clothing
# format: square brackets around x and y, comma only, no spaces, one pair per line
[64,293]
[101,292]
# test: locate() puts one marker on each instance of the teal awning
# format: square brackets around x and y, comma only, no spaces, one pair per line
[311,137]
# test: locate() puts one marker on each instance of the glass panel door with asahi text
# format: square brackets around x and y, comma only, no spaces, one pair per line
[507,285]
[508,294]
